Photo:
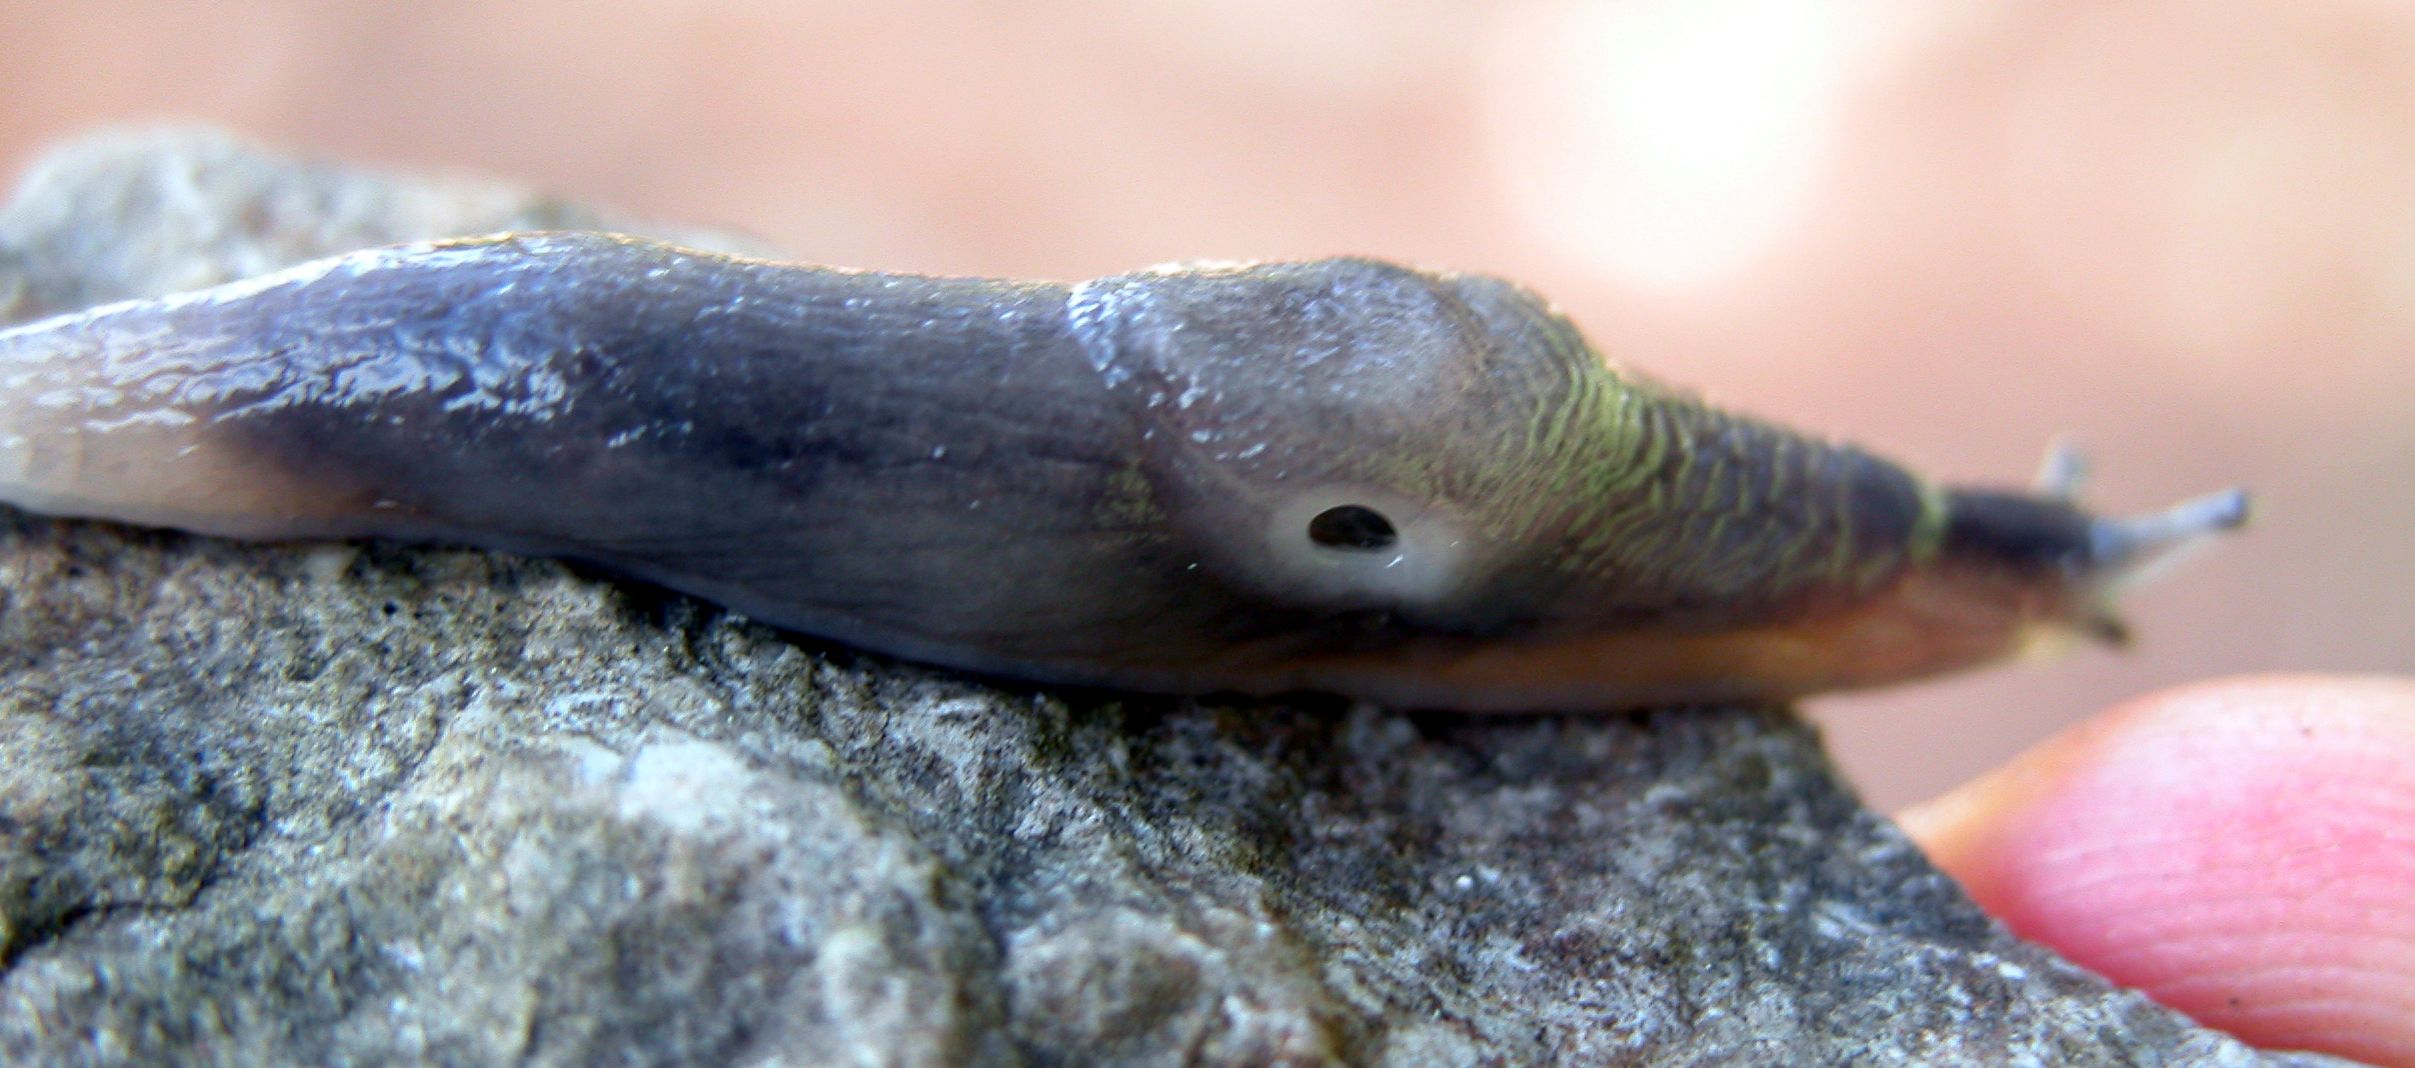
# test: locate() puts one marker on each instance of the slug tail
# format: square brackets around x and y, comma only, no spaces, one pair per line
[91,425]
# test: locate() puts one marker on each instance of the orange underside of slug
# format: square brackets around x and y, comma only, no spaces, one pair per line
[1921,626]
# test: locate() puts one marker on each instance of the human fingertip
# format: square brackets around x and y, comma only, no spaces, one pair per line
[2243,851]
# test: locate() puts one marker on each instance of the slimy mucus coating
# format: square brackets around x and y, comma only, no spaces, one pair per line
[1418,488]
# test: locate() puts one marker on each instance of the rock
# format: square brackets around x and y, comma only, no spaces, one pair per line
[322,804]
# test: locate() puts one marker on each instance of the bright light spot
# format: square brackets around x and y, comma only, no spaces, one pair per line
[1669,142]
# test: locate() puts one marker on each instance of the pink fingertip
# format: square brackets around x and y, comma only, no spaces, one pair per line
[2242,851]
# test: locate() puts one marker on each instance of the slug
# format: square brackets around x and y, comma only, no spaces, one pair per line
[1417,488]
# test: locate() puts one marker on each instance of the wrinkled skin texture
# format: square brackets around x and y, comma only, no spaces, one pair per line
[2239,849]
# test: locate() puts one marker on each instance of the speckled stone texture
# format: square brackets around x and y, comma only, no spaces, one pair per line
[335,804]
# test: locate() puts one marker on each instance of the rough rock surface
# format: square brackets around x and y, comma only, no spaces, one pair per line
[373,805]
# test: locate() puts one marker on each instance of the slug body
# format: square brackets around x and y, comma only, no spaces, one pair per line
[1348,476]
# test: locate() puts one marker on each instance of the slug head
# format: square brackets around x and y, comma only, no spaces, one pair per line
[1429,490]
[2057,568]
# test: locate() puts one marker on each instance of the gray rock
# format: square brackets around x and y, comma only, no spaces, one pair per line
[326,804]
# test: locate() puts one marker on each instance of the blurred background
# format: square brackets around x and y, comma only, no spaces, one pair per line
[2182,231]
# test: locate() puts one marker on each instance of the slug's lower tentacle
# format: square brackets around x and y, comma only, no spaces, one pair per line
[1343,475]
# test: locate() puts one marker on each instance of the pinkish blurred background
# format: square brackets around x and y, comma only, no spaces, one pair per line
[2181,230]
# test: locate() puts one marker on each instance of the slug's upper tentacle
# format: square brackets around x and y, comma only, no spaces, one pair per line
[2123,552]
[1342,475]
[2062,472]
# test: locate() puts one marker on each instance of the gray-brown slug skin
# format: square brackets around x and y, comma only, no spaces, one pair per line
[1419,488]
